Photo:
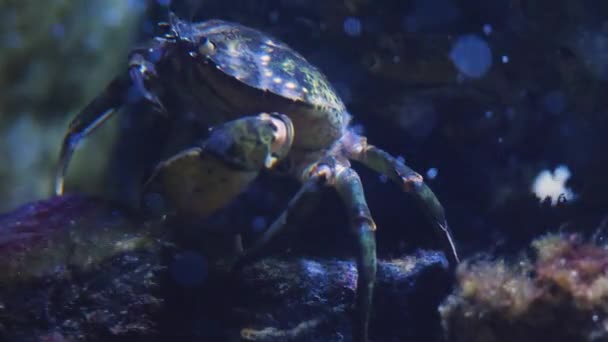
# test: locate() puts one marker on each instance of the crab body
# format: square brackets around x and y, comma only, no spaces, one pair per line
[222,71]
[226,73]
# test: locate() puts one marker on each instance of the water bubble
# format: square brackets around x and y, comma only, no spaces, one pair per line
[352,26]
[432,173]
[505,59]
[487,29]
[489,114]
[189,269]
[552,185]
[472,56]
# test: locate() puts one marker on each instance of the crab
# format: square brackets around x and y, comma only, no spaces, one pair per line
[228,74]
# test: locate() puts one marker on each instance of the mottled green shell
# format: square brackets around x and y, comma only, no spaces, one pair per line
[267,64]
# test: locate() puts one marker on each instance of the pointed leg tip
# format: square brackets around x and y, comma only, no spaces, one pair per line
[450,243]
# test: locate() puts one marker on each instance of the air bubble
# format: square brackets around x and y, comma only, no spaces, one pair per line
[472,56]
[352,26]
[432,173]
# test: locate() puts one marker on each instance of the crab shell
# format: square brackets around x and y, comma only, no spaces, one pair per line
[256,73]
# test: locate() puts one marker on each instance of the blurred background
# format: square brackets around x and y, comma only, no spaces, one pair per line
[501,105]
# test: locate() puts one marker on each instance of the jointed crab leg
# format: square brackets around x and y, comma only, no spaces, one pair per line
[141,74]
[309,187]
[348,185]
[409,181]
[350,189]
[91,117]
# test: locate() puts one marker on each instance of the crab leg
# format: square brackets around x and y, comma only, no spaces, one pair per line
[349,188]
[91,117]
[141,72]
[310,187]
[412,182]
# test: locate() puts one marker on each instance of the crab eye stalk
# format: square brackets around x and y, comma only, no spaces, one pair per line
[206,47]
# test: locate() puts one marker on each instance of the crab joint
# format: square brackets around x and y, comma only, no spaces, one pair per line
[411,180]
[283,136]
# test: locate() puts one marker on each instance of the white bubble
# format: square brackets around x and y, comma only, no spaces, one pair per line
[505,59]
[552,185]
[472,56]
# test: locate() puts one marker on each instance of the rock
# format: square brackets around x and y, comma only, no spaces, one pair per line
[311,299]
[74,268]
[79,268]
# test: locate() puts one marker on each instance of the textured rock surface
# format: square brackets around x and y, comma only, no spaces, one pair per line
[76,268]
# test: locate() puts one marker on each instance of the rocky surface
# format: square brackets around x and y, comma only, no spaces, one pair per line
[78,268]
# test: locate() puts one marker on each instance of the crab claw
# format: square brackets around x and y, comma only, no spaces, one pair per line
[199,180]
[141,71]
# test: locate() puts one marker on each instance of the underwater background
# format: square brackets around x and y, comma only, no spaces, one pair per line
[500,105]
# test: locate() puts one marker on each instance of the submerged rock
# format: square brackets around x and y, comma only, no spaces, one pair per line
[311,299]
[78,268]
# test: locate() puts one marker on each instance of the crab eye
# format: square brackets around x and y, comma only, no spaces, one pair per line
[206,47]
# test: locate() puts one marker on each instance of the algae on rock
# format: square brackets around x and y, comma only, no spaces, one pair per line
[561,295]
